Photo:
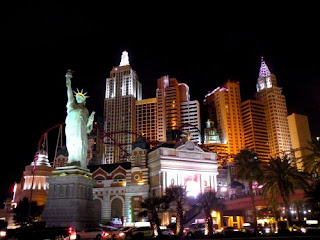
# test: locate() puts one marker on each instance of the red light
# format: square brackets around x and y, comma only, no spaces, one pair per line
[70,230]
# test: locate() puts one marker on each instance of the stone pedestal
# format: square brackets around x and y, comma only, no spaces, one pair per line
[70,199]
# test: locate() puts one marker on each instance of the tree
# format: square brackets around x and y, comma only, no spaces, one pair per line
[178,195]
[21,212]
[152,206]
[248,169]
[282,179]
[273,206]
[313,198]
[209,202]
[312,161]
[299,206]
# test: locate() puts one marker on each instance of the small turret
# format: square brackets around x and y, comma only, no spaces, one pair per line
[124,59]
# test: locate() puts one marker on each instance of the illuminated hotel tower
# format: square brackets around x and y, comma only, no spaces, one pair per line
[122,90]
[190,119]
[176,112]
[225,102]
[300,137]
[190,114]
[147,119]
[275,110]
[169,115]
[255,129]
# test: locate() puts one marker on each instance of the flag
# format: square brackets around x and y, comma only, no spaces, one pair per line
[35,159]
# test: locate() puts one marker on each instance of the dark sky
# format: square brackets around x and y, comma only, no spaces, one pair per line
[40,42]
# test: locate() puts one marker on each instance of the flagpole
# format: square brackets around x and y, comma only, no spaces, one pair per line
[30,201]
[31,190]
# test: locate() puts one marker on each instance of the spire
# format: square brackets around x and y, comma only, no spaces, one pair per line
[264,70]
[124,59]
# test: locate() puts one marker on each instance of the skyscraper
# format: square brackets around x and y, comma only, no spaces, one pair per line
[176,112]
[275,109]
[122,90]
[300,137]
[225,104]
[255,129]
[147,119]
[190,119]
[169,115]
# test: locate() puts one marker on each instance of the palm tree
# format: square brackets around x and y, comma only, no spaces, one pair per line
[248,169]
[21,212]
[209,202]
[313,198]
[312,162]
[178,195]
[273,206]
[152,206]
[281,179]
[298,205]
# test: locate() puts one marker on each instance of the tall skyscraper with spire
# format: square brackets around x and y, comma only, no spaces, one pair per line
[275,109]
[122,90]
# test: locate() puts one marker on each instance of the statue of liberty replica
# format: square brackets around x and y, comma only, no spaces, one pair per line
[70,199]
[78,125]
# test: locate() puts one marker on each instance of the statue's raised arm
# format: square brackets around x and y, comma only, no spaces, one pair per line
[71,99]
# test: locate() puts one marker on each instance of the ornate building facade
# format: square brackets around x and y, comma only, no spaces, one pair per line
[120,188]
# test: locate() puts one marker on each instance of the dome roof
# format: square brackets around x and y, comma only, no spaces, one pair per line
[41,159]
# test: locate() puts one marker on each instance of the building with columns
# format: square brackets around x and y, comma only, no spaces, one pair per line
[34,183]
[187,165]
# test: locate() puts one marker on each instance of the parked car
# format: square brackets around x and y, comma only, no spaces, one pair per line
[248,228]
[140,231]
[194,230]
[172,227]
[3,229]
[93,233]
[3,233]
[122,233]
[230,232]
[310,229]
[167,231]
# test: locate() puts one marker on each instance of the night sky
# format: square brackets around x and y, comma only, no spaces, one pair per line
[40,42]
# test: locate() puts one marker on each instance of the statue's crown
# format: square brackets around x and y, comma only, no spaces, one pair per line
[78,93]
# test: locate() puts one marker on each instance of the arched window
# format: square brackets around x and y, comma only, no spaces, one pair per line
[119,178]
[99,177]
[138,159]
[116,208]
